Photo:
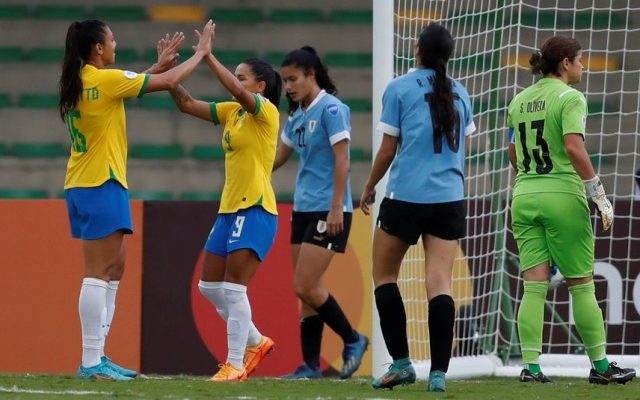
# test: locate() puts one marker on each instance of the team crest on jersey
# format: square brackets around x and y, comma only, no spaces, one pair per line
[332,109]
[312,125]
[321,227]
[130,75]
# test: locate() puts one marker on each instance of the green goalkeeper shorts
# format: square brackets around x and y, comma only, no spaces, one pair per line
[554,227]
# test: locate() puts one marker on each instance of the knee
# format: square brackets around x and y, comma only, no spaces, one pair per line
[116,269]
[302,291]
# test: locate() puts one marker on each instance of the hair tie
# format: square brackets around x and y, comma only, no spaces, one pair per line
[539,53]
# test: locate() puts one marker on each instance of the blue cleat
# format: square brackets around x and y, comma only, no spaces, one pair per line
[122,371]
[352,355]
[304,371]
[100,372]
[395,376]
[436,381]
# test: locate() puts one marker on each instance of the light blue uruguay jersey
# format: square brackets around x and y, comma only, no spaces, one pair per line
[427,168]
[312,133]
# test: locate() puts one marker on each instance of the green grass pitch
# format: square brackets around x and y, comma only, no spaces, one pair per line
[189,387]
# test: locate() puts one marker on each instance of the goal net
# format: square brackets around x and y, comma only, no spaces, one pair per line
[493,42]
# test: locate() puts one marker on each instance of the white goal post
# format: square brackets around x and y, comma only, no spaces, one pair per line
[493,42]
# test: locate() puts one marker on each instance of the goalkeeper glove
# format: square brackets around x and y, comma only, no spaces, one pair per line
[595,191]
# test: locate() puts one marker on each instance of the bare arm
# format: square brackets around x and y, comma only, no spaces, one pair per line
[188,105]
[282,155]
[335,218]
[246,99]
[171,78]
[384,158]
[574,144]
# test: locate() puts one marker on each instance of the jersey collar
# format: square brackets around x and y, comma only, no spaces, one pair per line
[316,100]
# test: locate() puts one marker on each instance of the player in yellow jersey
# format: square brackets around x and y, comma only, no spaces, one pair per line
[91,103]
[247,219]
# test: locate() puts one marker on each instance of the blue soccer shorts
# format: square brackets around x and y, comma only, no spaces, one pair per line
[97,212]
[252,228]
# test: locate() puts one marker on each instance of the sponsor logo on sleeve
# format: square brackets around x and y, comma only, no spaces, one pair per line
[332,109]
[130,75]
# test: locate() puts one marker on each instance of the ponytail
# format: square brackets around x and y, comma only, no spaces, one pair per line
[436,46]
[81,36]
[555,49]
[264,72]
[307,59]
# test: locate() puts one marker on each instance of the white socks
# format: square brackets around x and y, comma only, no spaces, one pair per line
[91,304]
[214,292]
[237,323]
[110,308]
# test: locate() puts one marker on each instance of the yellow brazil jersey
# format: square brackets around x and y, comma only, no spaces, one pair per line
[98,128]
[249,143]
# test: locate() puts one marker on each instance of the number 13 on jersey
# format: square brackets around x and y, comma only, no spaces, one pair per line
[540,153]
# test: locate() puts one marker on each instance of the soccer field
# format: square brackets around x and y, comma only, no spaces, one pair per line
[189,387]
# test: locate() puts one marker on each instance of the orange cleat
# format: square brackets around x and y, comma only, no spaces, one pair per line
[228,373]
[254,355]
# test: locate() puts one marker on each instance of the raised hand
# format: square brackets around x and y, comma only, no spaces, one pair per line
[167,51]
[205,38]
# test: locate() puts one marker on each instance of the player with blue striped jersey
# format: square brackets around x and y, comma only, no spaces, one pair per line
[426,116]
[319,131]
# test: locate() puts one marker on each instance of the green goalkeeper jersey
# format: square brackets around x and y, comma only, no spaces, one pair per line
[538,119]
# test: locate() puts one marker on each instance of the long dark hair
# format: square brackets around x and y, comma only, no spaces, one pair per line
[553,51]
[436,46]
[307,59]
[263,71]
[81,37]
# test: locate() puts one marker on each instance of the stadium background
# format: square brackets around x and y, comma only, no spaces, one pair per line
[162,324]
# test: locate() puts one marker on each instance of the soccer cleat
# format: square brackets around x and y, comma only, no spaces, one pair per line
[395,376]
[436,381]
[254,355]
[528,376]
[228,373]
[613,374]
[100,372]
[304,371]
[121,370]
[352,355]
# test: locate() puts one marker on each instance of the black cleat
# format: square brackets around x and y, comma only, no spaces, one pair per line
[528,376]
[614,374]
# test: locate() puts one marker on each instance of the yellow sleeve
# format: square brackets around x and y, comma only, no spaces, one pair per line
[119,84]
[265,110]
[220,111]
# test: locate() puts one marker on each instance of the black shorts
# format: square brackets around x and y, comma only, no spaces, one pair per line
[310,227]
[408,221]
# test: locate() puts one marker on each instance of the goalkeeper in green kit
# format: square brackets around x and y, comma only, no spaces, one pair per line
[551,220]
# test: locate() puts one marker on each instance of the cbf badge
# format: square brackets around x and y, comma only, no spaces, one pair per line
[312,125]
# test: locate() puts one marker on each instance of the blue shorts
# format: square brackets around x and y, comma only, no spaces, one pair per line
[97,212]
[252,228]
